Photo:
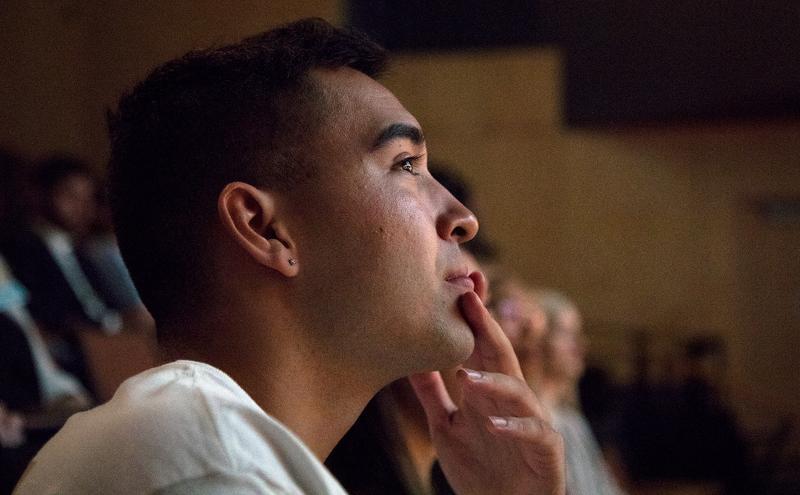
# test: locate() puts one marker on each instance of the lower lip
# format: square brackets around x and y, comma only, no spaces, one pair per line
[463,282]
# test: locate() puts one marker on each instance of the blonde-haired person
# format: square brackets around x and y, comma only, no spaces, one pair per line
[520,316]
[554,375]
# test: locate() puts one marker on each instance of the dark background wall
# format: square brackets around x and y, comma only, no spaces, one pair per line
[626,61]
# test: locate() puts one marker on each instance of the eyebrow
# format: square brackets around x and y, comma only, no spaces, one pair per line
[399,131]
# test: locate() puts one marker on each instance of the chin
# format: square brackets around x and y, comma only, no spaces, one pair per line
[457,346]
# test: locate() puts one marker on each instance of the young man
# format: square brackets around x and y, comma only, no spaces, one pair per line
[273,204]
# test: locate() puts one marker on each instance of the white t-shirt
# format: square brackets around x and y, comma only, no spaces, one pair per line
[184,427]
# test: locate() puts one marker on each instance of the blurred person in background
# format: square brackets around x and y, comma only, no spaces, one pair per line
[682,428]
[36,396]
[522,319]
[31,380]
[545,328]
[708,433]
[554,377]
[45,257]
[107,271]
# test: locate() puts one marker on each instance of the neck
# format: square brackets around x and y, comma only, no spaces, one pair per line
[286,376]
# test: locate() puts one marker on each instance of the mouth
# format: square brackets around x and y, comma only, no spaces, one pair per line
[461,279]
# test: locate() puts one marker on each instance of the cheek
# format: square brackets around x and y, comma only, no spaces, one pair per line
[65,208]
[365,238]
[397,225]
[373,232]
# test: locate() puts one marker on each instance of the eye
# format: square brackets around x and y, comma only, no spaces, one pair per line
[407,164]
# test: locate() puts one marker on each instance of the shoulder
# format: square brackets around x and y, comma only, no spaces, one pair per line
[180,421]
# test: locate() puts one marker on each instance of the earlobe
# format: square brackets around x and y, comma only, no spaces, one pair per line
[249,216]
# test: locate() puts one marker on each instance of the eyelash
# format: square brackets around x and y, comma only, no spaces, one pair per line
[407,164]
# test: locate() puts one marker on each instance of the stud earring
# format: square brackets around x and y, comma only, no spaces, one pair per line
[292,261]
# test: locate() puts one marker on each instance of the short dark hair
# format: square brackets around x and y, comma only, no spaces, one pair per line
[210,117]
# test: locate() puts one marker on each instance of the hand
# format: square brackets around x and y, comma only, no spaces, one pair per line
[497,440]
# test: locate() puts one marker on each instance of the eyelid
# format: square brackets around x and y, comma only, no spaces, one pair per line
[401,157]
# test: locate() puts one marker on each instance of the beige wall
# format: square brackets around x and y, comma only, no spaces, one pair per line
[64,62]
[644,227]
[42,77]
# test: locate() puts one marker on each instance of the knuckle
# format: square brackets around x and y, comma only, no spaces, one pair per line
[527,425]
[519,404]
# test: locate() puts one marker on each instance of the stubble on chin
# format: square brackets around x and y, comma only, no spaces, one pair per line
[454,341]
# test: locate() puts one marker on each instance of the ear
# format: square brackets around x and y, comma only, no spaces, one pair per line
[248,215]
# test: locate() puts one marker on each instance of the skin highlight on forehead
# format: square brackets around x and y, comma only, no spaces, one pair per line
[360,106]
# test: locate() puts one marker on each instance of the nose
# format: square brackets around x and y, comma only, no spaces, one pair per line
[456,222]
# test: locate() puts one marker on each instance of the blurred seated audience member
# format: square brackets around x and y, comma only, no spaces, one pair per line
[684,430]
[521,318]
[714,447]
[36,397]
[555,376]
[45,259]
[108,273]
[12,446]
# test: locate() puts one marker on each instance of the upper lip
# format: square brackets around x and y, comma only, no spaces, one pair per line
[457,273]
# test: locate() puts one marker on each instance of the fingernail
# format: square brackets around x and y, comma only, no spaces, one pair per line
[473,374]
[498,421]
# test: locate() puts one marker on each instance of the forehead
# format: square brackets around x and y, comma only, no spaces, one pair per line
[360,108]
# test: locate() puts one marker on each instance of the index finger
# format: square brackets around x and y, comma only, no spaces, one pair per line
[481,286]
[493,351]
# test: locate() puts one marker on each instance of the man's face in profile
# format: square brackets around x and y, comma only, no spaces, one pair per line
[378,236]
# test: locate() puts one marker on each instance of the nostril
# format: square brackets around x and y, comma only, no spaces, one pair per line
[459,232]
